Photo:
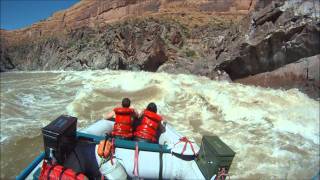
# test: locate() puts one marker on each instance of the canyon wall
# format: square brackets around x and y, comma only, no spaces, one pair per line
[221,39]
[96,13]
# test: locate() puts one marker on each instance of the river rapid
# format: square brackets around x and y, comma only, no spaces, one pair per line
[275,133]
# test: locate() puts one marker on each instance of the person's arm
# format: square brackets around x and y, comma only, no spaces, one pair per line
[109,115]
[162,127]
[135,118]
[135,112]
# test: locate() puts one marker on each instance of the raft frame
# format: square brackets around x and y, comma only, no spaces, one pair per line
[120,143]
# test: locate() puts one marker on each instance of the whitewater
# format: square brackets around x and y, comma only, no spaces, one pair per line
[275,133]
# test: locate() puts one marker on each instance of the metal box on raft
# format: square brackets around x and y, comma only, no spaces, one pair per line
[59,138]
[214,156]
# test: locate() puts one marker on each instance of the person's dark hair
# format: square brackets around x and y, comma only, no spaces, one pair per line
[152,107]
[126,102]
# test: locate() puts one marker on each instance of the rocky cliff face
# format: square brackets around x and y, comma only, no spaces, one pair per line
[115,34]
[229,40]
[96,14]
[303,75]
[275,36]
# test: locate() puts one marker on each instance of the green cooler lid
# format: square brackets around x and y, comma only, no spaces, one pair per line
[218,147]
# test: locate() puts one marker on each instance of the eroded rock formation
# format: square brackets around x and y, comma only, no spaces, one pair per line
[97,13]
[302,74]
[275,37]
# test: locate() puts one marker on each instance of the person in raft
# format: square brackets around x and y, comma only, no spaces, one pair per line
[124,117]
[150,126]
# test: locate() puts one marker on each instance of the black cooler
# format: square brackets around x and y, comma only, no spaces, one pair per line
[59,137]
[213,156]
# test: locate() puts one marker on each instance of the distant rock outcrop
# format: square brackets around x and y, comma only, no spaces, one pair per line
[303,74]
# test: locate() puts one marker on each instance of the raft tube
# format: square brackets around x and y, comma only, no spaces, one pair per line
[173,158]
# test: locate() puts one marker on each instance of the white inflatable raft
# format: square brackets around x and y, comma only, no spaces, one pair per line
[149,162]
[175,157]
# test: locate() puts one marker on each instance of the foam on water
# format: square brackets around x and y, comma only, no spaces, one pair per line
[274,133]
[3,138]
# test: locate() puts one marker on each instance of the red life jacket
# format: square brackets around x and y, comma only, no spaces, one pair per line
[123,122]
[149,126]
[55,172]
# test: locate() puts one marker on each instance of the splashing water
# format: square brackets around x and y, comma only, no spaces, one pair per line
[274,133]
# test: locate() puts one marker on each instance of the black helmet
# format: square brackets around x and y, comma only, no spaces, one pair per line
[126,102]
[152,107]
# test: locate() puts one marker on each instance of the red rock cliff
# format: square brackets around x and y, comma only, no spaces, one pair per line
[95,13]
